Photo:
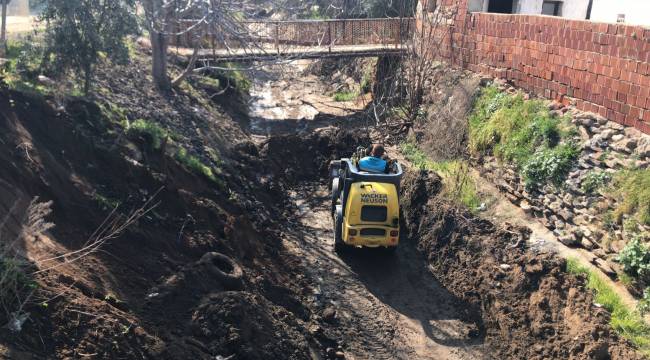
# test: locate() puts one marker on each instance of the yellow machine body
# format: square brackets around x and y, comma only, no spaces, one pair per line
[371,215]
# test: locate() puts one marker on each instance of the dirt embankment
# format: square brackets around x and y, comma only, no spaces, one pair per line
[157,291]
[531,308]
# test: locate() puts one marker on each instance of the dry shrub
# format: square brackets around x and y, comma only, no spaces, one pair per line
[16,283]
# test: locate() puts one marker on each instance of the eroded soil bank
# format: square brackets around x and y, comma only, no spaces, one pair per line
[530,307]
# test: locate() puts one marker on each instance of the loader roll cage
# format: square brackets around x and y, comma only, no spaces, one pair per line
[344,173]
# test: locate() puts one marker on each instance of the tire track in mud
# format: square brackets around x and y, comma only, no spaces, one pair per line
[387,307]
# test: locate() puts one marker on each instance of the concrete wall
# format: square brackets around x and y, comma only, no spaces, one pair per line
[637,12]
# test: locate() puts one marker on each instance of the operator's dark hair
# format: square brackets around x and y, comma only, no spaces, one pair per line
[377,150]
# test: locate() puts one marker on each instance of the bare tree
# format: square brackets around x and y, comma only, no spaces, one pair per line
[200,24]
[405,86]
[3,28]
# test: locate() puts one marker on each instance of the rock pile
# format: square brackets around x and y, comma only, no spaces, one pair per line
[575,214]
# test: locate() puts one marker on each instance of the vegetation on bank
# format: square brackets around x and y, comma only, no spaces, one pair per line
[81,33]
[595,181]
[153,134]
[627,322]
[366,82]
[632,188]
[195,165]
[343,96]
[457,181]
[17,283]
[232,77]
[23,66]
[525,133]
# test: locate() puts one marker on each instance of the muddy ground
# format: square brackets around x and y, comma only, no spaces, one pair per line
[244,268]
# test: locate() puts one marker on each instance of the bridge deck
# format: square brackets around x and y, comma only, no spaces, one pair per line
[296,39]
[298,52]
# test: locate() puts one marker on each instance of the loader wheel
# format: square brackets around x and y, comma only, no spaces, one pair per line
[339,245]
[335,195]
[224,269]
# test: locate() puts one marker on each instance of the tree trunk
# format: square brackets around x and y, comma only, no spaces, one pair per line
[159,44]
[157,18]
[3,30]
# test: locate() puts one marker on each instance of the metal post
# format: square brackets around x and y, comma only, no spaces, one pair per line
[277,37]
[329,34]
[399,38]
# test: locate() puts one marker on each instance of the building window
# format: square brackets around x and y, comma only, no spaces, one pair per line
[553,8]
[501,6]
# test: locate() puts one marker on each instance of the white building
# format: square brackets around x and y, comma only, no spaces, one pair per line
[18,8]
[572,9]
[635,12]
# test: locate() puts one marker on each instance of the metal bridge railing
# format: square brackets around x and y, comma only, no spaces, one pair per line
[282,35]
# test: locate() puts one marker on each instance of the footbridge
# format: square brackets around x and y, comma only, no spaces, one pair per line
[299,39]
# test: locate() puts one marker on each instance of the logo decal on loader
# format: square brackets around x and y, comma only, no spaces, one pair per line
[374,198]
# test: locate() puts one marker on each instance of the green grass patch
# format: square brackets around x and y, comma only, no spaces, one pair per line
[235,78]
[208,82]
[150,131]
[367,80]
[550,165]
[113,112]
[632,188]
[24,64]
[627,322]
[594,181]
[525,133]
[197,166]
[457,181]
[635,258]
[106,203]
[342,96]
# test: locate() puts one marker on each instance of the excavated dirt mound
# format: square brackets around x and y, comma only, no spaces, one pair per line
[250,327]
[531,308]
[296,158]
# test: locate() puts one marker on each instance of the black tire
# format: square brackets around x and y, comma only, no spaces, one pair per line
[335,195]
[339,245]
[224,269]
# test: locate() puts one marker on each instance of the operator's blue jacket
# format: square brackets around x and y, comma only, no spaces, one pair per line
[372,164]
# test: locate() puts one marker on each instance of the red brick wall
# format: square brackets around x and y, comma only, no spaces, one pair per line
[604,67]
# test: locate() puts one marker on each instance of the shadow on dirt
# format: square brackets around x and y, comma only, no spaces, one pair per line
[403,282]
